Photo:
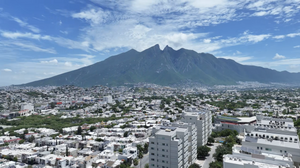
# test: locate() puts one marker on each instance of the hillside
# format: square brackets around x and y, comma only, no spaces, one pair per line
[166,67]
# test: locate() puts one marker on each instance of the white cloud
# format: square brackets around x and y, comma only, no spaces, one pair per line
[237,59]
[16,35]
[25,45]
[260,13]
[26,25]
[207,40]
[277,56]
[293,34]
[7,70]
[279,37]
[298,46]
[69,64]
[257,38]
[95,16]
[68,43]
[54,61]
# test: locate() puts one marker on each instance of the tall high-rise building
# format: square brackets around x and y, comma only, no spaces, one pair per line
[203,122]
[173,146]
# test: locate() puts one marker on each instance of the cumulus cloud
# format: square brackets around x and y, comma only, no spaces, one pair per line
[7,70]
[69,64]
[277,56]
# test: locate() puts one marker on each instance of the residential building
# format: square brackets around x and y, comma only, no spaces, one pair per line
[273,136]
[173,146]
[203,122]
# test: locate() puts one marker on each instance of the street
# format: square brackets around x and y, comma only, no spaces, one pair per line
[210,158]
[143,161]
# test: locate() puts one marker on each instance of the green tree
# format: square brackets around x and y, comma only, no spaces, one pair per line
[140,155]
[210,140]
[92,128]
[145,150]
[67,151]
[21,141]
[31,139]
[220,151]
[202,151]
[194,165]
[79,130]
[146,165]
[125,134]
[135,162]
[15,159]
[215,164]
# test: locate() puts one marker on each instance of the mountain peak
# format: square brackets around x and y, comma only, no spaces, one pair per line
[167,48]
[156,47]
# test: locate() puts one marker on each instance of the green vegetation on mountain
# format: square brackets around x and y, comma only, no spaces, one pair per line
[166,67]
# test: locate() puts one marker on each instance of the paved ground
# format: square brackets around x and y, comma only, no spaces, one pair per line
[205,163]
[210,158]
[143,161]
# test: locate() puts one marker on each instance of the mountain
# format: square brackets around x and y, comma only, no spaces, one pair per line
[166,67]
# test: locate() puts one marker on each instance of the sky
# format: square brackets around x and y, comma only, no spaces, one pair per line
[40,39]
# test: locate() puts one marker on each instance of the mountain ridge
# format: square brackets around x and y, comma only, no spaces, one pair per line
[166,67]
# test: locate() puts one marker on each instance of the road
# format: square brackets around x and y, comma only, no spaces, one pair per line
[210,158]
[143,161]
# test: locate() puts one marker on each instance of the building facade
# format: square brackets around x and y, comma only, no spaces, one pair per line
[273,136]
[203,122]
[173,146]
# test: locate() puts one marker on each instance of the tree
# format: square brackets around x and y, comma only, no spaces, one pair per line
[220,151]
[140,155]
[79,130]
[67,151]
[202,151]
[15,159]
[194,165]
[146,165]
[25,131]
[125,134]
[215,164]
[210,140]
[92,128]
[21,141]
[31,138]
[146,145]
[135,161]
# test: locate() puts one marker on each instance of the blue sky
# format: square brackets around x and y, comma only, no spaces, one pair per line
[40,39]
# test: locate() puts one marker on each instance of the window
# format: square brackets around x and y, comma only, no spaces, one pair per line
[258,148]
[152,159]
[163,144]
[280,151]
[152,165]
[163,150]
[163,161]
[163,155]
[152,153]
[152,142]
[152,148]
[268,149]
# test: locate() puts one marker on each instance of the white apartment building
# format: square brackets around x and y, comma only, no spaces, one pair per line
[173,147]
[203,122]
[107,99]
[27,106]
[240,159]
[273,136]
